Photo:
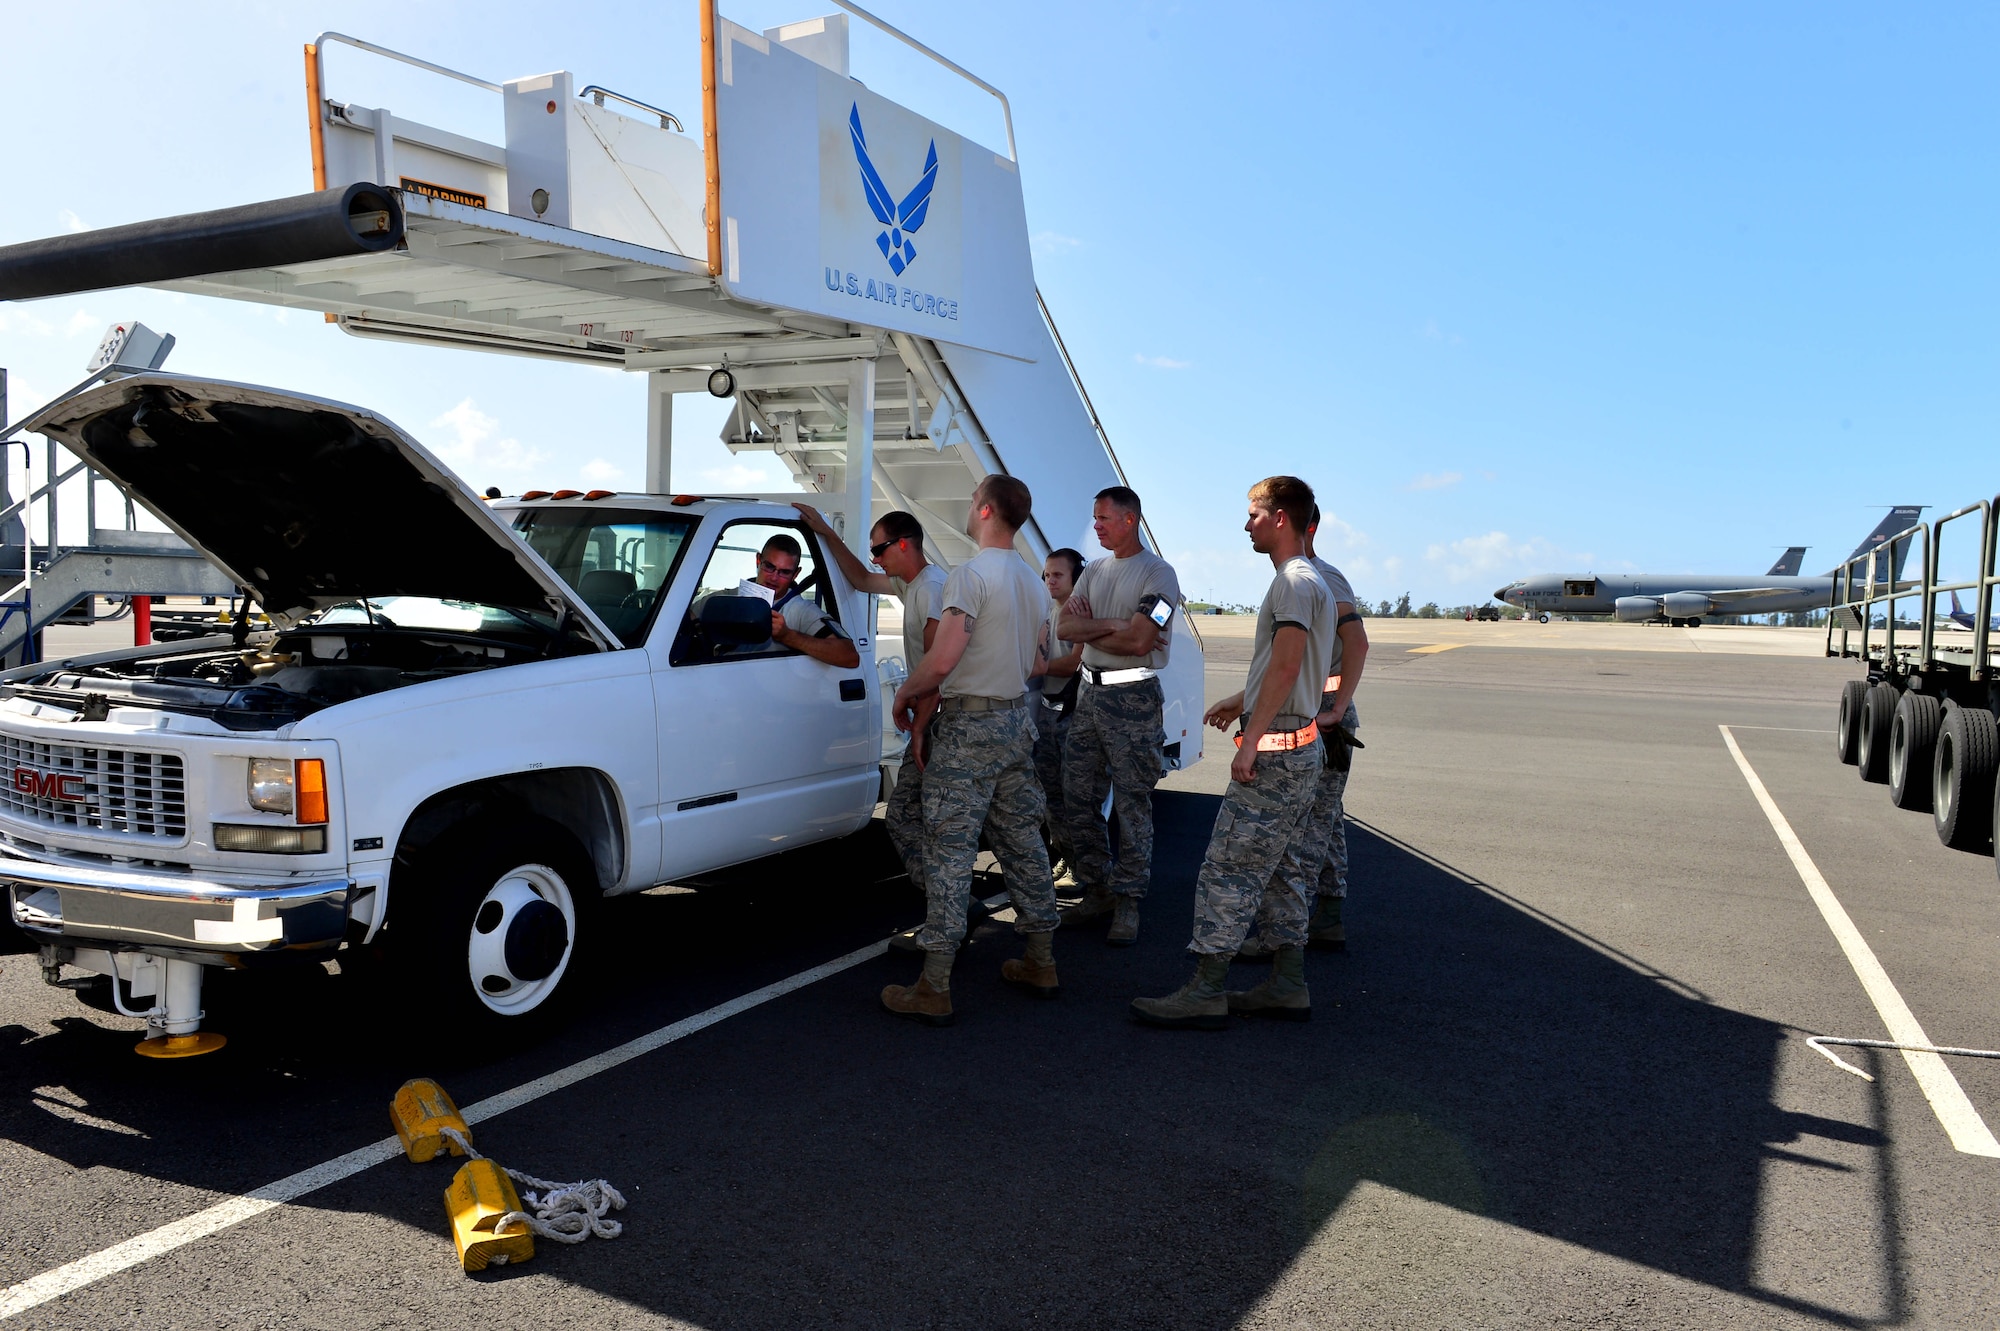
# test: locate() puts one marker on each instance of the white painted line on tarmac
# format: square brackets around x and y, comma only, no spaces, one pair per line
[1962,1123]
[72,1276]
[1796,730]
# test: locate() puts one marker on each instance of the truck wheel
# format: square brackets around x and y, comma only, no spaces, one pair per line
[1847,733]
[1878,712]
[495,915]
[1968,745]
[1912,736]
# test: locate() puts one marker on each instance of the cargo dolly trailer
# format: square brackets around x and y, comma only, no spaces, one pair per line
[1923,717]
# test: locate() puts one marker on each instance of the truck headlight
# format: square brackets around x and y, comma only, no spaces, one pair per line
[271,784]
[285,785]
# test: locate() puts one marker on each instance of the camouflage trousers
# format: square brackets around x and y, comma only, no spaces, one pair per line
[982,775]
[904,818]
[1114,743]
[1051,732]
[1257,827]
[1318,859]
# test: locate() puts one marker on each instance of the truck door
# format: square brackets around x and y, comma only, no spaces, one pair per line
[764,748]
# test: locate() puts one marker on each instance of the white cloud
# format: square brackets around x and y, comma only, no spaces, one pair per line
[70,221]
[83,321]
[1432,333]
[1054,242]
[1442,480]
[19,321]
[1496,551]
[1334,535]
[473,445]
[1162,362]
[602,472]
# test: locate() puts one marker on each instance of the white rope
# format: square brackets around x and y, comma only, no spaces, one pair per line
[563,1212]
[1820,1042]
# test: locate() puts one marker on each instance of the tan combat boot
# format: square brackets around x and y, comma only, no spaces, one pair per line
[1124,922]
[1197,1005]
[929,999]
[1283,995]
[1035,972]
[1095,908]
[1324,931]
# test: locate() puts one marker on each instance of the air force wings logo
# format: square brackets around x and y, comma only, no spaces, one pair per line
[902,219]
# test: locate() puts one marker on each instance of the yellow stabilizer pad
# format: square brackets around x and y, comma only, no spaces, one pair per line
[181,1046]
[478,1196]
[421,1111]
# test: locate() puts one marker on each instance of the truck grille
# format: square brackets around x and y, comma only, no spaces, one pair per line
[104,790]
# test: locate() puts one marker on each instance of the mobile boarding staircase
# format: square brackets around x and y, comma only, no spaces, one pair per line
[855,277]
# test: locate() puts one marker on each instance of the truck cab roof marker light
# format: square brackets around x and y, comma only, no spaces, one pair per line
[534,494]
[566,494]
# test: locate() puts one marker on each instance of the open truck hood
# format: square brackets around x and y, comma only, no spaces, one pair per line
[305,502]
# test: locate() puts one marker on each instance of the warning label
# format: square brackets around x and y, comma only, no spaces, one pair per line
[445,192]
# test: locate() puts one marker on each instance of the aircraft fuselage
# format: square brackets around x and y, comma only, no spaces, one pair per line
[1599,594]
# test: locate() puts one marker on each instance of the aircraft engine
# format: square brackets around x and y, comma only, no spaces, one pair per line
[1636,609]
[1687,605]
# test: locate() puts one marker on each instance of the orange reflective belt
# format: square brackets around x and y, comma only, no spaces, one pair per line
[1283,741]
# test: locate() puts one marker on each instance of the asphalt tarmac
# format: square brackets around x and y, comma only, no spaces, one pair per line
[1559,1078]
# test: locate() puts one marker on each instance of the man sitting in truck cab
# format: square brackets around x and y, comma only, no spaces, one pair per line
[797,623]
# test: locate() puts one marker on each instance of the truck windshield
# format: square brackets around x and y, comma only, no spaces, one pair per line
[618,561]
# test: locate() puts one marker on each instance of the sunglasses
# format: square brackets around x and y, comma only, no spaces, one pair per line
[875,551]
[777,570]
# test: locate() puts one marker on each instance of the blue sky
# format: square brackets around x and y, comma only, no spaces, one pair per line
[1517,287]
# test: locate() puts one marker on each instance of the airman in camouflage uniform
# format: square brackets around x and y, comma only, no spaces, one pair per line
[1117,730]
[1274,776]
[1319,862]
[980,770]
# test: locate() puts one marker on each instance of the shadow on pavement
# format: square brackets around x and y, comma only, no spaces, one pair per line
[816,1161]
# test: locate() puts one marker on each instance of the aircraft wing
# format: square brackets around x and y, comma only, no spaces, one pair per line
[1750,593]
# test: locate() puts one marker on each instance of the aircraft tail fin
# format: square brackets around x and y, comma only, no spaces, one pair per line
[1900,518]
[1788,563]
[1956,608]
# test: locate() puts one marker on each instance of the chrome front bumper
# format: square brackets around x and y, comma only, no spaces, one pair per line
[154,909]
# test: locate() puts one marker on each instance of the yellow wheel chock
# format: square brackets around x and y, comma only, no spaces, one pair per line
[479,1196]
[421,1112]
[488,1222]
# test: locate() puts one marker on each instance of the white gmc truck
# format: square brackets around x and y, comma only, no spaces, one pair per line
[469,721]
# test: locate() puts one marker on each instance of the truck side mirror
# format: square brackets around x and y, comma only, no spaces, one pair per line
[736,621]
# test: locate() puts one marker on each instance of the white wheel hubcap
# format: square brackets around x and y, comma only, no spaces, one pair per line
[523,932]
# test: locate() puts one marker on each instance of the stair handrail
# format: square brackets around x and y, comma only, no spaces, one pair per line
[1006,111]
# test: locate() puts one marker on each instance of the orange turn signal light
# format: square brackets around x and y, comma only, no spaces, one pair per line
[682,501]
[309,791]
[565,494]
[600,494]
[534,494]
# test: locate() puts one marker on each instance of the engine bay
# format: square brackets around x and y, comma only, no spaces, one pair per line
[277,677]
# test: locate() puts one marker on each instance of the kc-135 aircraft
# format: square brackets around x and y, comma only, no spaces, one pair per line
[1685,599]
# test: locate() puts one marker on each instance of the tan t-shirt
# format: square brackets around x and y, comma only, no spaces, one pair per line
[923,599]
[1341,590]
[1053,685]
[1114,588]
[1297,596]
[1004,600]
